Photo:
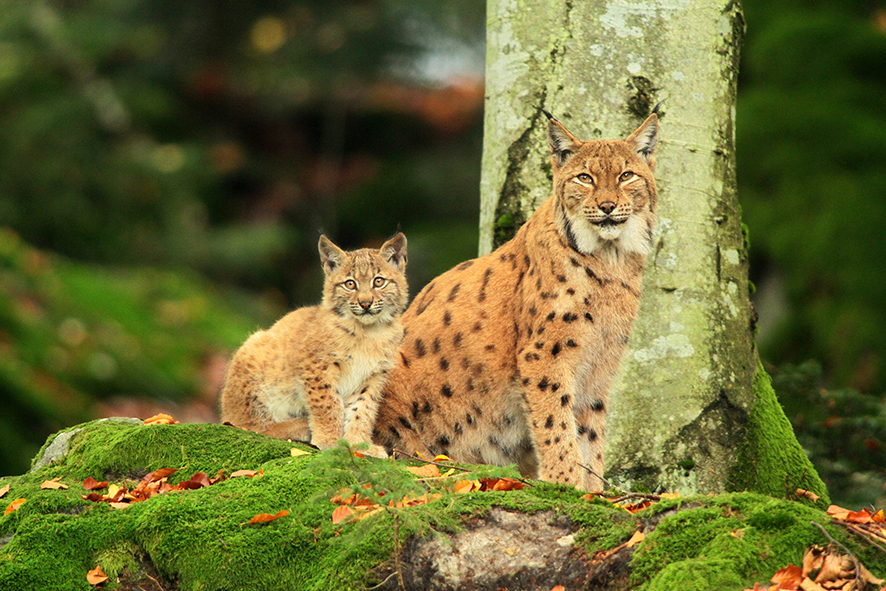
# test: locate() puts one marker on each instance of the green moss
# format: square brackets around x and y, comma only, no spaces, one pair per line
[770,461]
[200,539]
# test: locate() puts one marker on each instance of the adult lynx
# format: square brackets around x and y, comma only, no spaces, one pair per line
[508,358]
[317,374]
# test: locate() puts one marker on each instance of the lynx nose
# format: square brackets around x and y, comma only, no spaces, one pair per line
[365,304]
[607,207]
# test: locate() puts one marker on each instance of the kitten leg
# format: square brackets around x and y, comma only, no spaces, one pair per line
[325,410]
[361,409]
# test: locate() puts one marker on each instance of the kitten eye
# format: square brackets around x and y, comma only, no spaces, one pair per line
[585,178]
[379,282]
[350,284]
[625,175]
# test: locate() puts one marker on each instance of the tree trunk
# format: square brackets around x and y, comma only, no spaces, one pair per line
[686,412]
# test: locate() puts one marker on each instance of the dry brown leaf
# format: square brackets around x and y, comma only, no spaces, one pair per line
[3,491]
[266,517]
[237,473]
[466,486]
[92,484]
[426,471]
[198,480]
[831,570]
[504,484]
[13,506]
[161,473]
[53,484]
[115,505]
[805,494]
[96,576]
[808,584]
[160,419]
[878,516]
[838,512]
[341,513]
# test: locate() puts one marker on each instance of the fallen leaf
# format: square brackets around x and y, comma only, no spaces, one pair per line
[878,516]
[92,484]
[559,588]
[96,576]
[13,506]
[53,484]
[265,517]
[671,496]
[198,480]
[805,494]
[466,486]
[442,458]
[635,539]
[298,452]
[504,484]
[115,492]
[808,584]
[160,419]
[3,491]
[426,471]
[838,512]
[789,577]
[115,505]
[249,473]
[341,513]
[589,497]
[863,516]
[161,473]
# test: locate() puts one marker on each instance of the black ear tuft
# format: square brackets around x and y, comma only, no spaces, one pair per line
[548,115]
[394,250]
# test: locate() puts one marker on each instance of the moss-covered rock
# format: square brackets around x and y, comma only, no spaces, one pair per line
[200,539]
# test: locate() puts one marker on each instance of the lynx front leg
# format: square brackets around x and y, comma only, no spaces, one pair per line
[325,410]
[549,401]
[591,426]
[360,411]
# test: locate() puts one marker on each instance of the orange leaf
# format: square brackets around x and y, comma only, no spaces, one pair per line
[863,516]
[160,419]
[588,497]
[265,517]
[671,496]
[96,576]
[807,495]
[838,512]
[92,484]
[249,473]
[878,516]
[466,486]
[13,506]
[559,588]
[5,490]
[635,539]
[115,493]
[789,577]
[442,458]
[158,474]
[508,484]
[341,513]
[426,471]
[53,484]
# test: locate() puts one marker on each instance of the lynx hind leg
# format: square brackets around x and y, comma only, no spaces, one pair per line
[591,425]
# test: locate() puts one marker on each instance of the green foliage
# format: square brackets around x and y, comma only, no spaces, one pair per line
[843,431]
[811,136]
[74,333]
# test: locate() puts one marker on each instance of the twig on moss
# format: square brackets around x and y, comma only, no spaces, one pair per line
[863,533]
[421,459]
[388,578]
[852,557]
[600,476]
[397,552]
[628,496]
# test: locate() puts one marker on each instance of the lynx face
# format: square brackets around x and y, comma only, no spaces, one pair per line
[363,285]
[605,191]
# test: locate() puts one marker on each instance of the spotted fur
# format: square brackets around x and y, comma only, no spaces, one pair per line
[318,373]
[508,358]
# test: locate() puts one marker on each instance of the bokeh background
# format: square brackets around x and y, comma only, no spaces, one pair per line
[167,167]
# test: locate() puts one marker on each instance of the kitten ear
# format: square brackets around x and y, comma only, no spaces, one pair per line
[394,251]
[645,138]
[330,255]
[563,144]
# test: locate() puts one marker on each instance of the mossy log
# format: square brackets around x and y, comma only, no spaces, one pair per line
[201,539]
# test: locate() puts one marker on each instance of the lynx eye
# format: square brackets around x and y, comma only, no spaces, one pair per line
[379,282]
[585,178]
[350,284]
[625,175]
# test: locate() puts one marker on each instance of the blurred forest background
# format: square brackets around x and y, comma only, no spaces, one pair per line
[167,167]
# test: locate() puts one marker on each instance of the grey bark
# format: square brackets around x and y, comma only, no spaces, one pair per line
[685,387]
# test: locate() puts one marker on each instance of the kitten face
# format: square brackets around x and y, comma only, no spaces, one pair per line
[366,285]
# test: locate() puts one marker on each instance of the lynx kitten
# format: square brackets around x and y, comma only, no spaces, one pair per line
[509,357]
[318,373]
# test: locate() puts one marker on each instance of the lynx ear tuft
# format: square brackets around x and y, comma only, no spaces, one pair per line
[563,144]
[394,250]
[331,256]
[645,138]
